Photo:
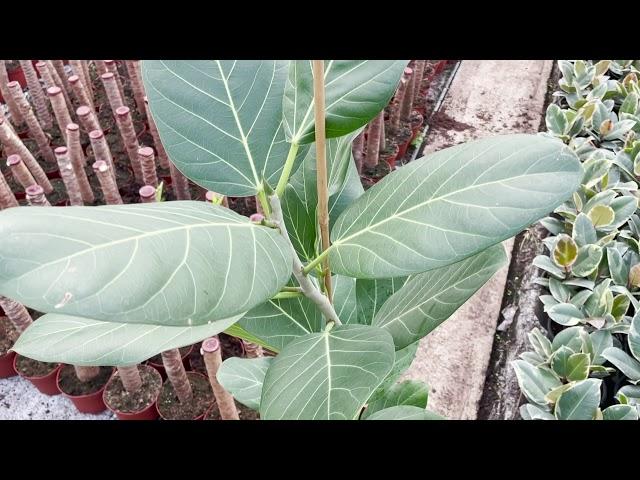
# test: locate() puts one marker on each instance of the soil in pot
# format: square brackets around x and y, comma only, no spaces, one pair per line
[170,407]
[70,384]
[27,367]
[243,412]
[8,334]
[119,400]
[403,137]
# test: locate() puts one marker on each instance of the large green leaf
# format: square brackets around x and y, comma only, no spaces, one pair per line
[403,361]
[580,402]
[429,298]
[84,341]
[405,412]
[243,378]
[450,205]
[371,295]
[176,263]
[300,199]
[220,120]
[345,300]
[327,375]
[409,392]
[623,362]
[278,322]
[634,337]
[355,92]
[620,412]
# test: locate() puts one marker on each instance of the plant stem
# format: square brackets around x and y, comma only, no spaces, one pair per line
[315,262]
[281,295]
[286,171]
[306,284]
[264,203]
[291,289]
[321,166]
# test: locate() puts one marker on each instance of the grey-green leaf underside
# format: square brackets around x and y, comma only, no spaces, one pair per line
[355,92]
[243,378]
[181,263]
[429,298]
[327,375]
[220,120]
[450,205]
[84,341]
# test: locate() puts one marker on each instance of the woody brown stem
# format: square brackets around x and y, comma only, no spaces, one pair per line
[60,110]
[87,79]
[162,154]
[79,90]
[213,359]
[177,375]
[112,67]
[107,183]
[418,73]
[101,150]
[147,194]
[135,77]
[101,68]
[130,140]
[36,196]
[85,374]
[88,119]
[20,171]
[179,183]
[37,94]
[130,378]
[113,93]
[59,82]
[373,141]
[68,176]
[16,115]
[9,139]
[396,106]
[148,165]
[407,99]
[16,313]
[252,350]
[35,129]
[7,198]
[79,161]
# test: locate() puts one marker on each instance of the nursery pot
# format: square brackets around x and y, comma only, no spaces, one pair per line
[390,158]
[89,403]
[16,75]
[6,365]
[402,149]
[150,412]
[47,384]
[185,361]
[416,124]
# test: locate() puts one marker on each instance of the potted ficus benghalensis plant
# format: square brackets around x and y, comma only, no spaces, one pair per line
[340,283]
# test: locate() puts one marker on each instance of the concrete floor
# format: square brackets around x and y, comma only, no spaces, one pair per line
[487,97]
[20,400]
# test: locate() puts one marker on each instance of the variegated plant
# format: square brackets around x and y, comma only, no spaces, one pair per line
[593,266]
[120,283]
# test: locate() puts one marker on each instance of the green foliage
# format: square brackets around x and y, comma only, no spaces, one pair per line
[597,115]
[120,283]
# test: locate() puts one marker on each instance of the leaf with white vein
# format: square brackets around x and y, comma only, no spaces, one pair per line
[355,92]
[327,375]
[221,120]
[409,392]
[243,378]
[450,205]
[429,298]
[405,412]
[176,263]
[278,322]
[371,296]
[84,341]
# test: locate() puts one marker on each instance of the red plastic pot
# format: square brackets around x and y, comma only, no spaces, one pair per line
[148,413]
[402,149]
[46,384]
[185,361]
[90,403]
[391,158]
[6,365]
[199,417]
[16,75]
